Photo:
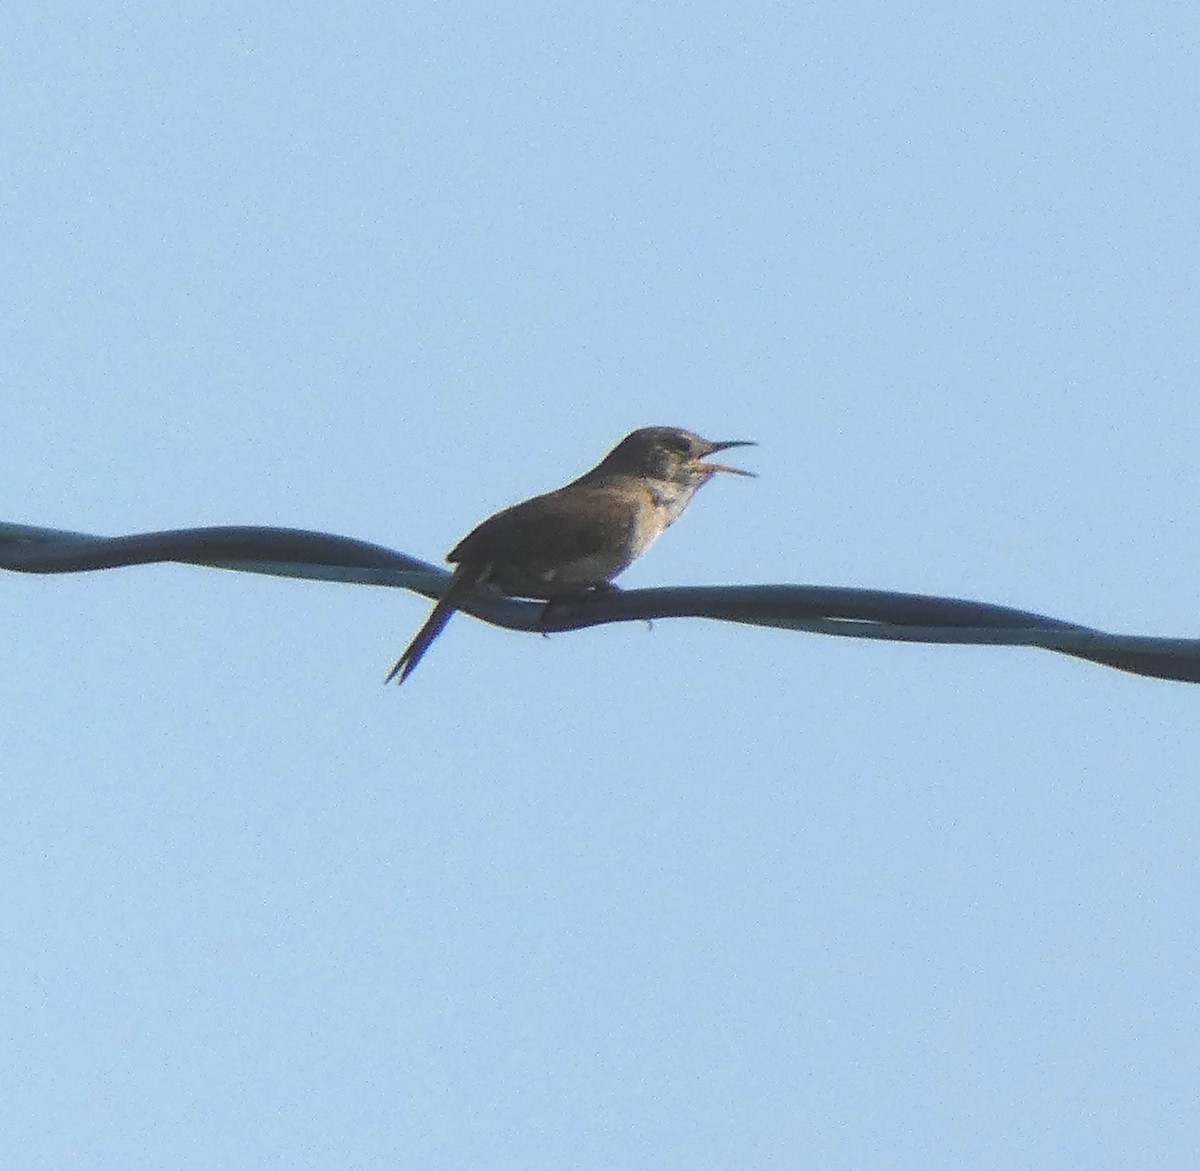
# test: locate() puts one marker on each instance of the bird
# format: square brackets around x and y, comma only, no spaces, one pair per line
[573,541]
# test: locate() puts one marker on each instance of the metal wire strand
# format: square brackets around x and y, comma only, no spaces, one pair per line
[853,613]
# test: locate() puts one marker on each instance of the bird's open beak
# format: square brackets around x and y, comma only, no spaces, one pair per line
[715,447]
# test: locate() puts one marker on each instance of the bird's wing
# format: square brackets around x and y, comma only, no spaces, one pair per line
[562,526]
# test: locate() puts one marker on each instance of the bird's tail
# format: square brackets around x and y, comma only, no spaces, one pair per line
[465,579]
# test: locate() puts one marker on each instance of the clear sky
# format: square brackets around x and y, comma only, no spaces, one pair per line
[699,897]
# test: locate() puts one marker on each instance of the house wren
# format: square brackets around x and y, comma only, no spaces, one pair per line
[575,540]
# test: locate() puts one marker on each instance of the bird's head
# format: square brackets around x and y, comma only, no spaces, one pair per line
[670,454]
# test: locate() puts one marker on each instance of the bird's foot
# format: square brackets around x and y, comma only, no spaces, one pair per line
[573,598]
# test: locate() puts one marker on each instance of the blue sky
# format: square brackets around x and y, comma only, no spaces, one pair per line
[700,897]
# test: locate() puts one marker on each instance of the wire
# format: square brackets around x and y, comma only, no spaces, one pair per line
[852,613]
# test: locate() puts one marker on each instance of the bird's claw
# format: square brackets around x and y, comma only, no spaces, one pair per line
[574,598]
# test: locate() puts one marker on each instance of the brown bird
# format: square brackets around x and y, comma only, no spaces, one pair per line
[576,539]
